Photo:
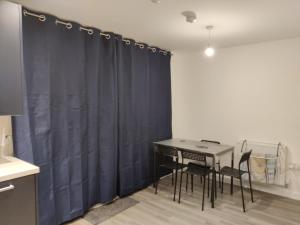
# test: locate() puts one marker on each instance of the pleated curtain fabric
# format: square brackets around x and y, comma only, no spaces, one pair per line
[134,121]
[92,107]
[144,113]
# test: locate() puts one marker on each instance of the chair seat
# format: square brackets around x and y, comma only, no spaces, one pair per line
[173,165]
[208,164]
[196,169]
[232,172]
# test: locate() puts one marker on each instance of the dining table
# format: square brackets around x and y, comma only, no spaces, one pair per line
[211,150]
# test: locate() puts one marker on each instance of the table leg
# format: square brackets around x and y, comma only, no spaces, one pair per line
[232,165]
[213,184]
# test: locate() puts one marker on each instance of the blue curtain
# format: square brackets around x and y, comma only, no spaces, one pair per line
[134,163]
[93,105]
[144,113]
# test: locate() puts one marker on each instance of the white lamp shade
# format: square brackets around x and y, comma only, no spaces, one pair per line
[209,51]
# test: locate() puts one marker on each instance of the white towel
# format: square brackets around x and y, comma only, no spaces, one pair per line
[258,168]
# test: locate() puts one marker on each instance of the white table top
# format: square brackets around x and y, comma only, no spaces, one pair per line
[210,149]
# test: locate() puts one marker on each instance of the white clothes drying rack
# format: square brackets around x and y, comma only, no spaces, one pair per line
[268,163]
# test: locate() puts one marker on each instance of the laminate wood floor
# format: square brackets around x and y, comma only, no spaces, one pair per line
[161,210]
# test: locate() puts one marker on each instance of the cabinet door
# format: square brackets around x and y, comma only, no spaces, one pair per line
[11,63]
[18,201]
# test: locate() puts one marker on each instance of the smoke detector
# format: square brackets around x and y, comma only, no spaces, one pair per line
[155,1]
[190,16]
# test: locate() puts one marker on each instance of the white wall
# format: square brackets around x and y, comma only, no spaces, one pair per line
[248,92]
[5,129]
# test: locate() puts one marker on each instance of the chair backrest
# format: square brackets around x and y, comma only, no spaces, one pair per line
[201,157]
[245,157]
[167,151]
[210,141]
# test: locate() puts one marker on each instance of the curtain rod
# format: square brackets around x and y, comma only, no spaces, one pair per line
[90,31]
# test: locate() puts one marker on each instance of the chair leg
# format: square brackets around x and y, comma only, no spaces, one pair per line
[192,183]
[208,181]
[157,178]
[187,181]
[172,177]
[215,186]
[154,169]
[222,188]
[241,183]
[156,185]
[251,191]
[201,180]
[203,198]
[180,186]
[219,168]
[231,185]
[176,172]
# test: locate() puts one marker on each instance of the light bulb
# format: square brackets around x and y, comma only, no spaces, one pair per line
[209,51]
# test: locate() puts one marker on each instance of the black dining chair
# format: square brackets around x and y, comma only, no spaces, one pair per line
[201,163]
[217,163]
[238,173]
[168,158]
[195,170]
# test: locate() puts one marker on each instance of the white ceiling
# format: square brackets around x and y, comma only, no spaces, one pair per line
[236,22]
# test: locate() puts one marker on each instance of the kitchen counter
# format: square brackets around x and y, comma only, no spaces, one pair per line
[12,168]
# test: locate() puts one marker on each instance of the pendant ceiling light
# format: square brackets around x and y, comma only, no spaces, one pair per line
[209,51]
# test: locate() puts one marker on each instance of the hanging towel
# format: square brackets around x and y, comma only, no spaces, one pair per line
[258,168]
[271,171]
